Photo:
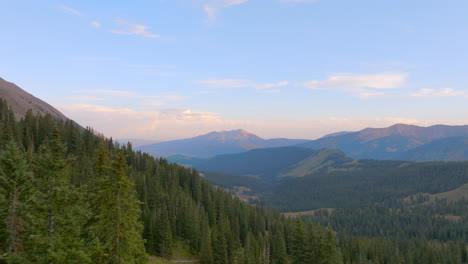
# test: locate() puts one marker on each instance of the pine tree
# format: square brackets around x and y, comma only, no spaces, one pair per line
[116,222]
[206,252]
[278,249]
[16,188]
[58,212]
[298,242]
[164,234]
[220,255]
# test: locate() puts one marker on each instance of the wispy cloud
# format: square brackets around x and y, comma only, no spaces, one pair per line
[149,66]
[70,10]
[227,83]
[95,24]
[84,98]
[366,95]
[362,85]
[176,123]
[353,82]
[95,58]
[240,83]
[298,1]
[234,2]
[212,8]
[129,94]
[108,92]
[168,123]
[437,93]
[133,29]
[271,85]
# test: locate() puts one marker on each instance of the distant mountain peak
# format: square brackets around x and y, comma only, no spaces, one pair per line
[388,142]
[216,143]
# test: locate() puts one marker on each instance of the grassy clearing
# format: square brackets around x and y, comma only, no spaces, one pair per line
[306,213]
[179,253]
[451,196]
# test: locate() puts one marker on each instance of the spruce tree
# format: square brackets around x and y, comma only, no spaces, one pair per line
[220,255]
[278,248]
[58,212]
[116,223]
[206,252]
[298,242]
[16,189]
[163,234]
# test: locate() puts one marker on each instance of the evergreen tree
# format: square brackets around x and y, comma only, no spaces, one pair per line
[163,234]
[59,213]
[298,249]
[117,223]
[206,252]
[278,249]
[16,189]
[220,255]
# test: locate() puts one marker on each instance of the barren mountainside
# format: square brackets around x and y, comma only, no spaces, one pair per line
[21,101]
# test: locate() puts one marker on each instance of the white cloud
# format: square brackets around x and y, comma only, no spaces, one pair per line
[84,98]
[70,10]
[234,2]
[108,92]
[357,82]
[298,1]
[227,83]
[129,94]
[95,24]
[437,93]
[95,58]
[366,95]
[149,124]
[148,66]
[134,29]
[212,8]
[271,85]
[176,123]
[241,83]
[211,13]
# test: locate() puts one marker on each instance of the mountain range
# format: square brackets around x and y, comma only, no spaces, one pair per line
[399,141]
[216,143]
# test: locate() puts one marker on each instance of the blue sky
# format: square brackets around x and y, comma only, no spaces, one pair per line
[167,69]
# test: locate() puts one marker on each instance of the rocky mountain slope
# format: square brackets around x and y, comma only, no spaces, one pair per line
[21,101]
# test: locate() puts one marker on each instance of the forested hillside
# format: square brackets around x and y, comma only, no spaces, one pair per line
[70,196]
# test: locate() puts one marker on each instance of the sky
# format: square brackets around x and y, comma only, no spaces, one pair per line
[168,69]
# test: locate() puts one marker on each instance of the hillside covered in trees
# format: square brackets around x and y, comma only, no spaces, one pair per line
[70,196]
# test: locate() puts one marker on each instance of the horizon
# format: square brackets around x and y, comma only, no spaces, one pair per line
[166,70]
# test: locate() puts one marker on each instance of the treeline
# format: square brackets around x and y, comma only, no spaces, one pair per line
[68,195]
[373,182]
[378,250]
[439,220]
[410,232]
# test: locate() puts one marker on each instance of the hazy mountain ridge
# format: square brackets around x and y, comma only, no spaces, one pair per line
[22,101]
[390,142]
[271,164]
[216,143]
[445,149]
